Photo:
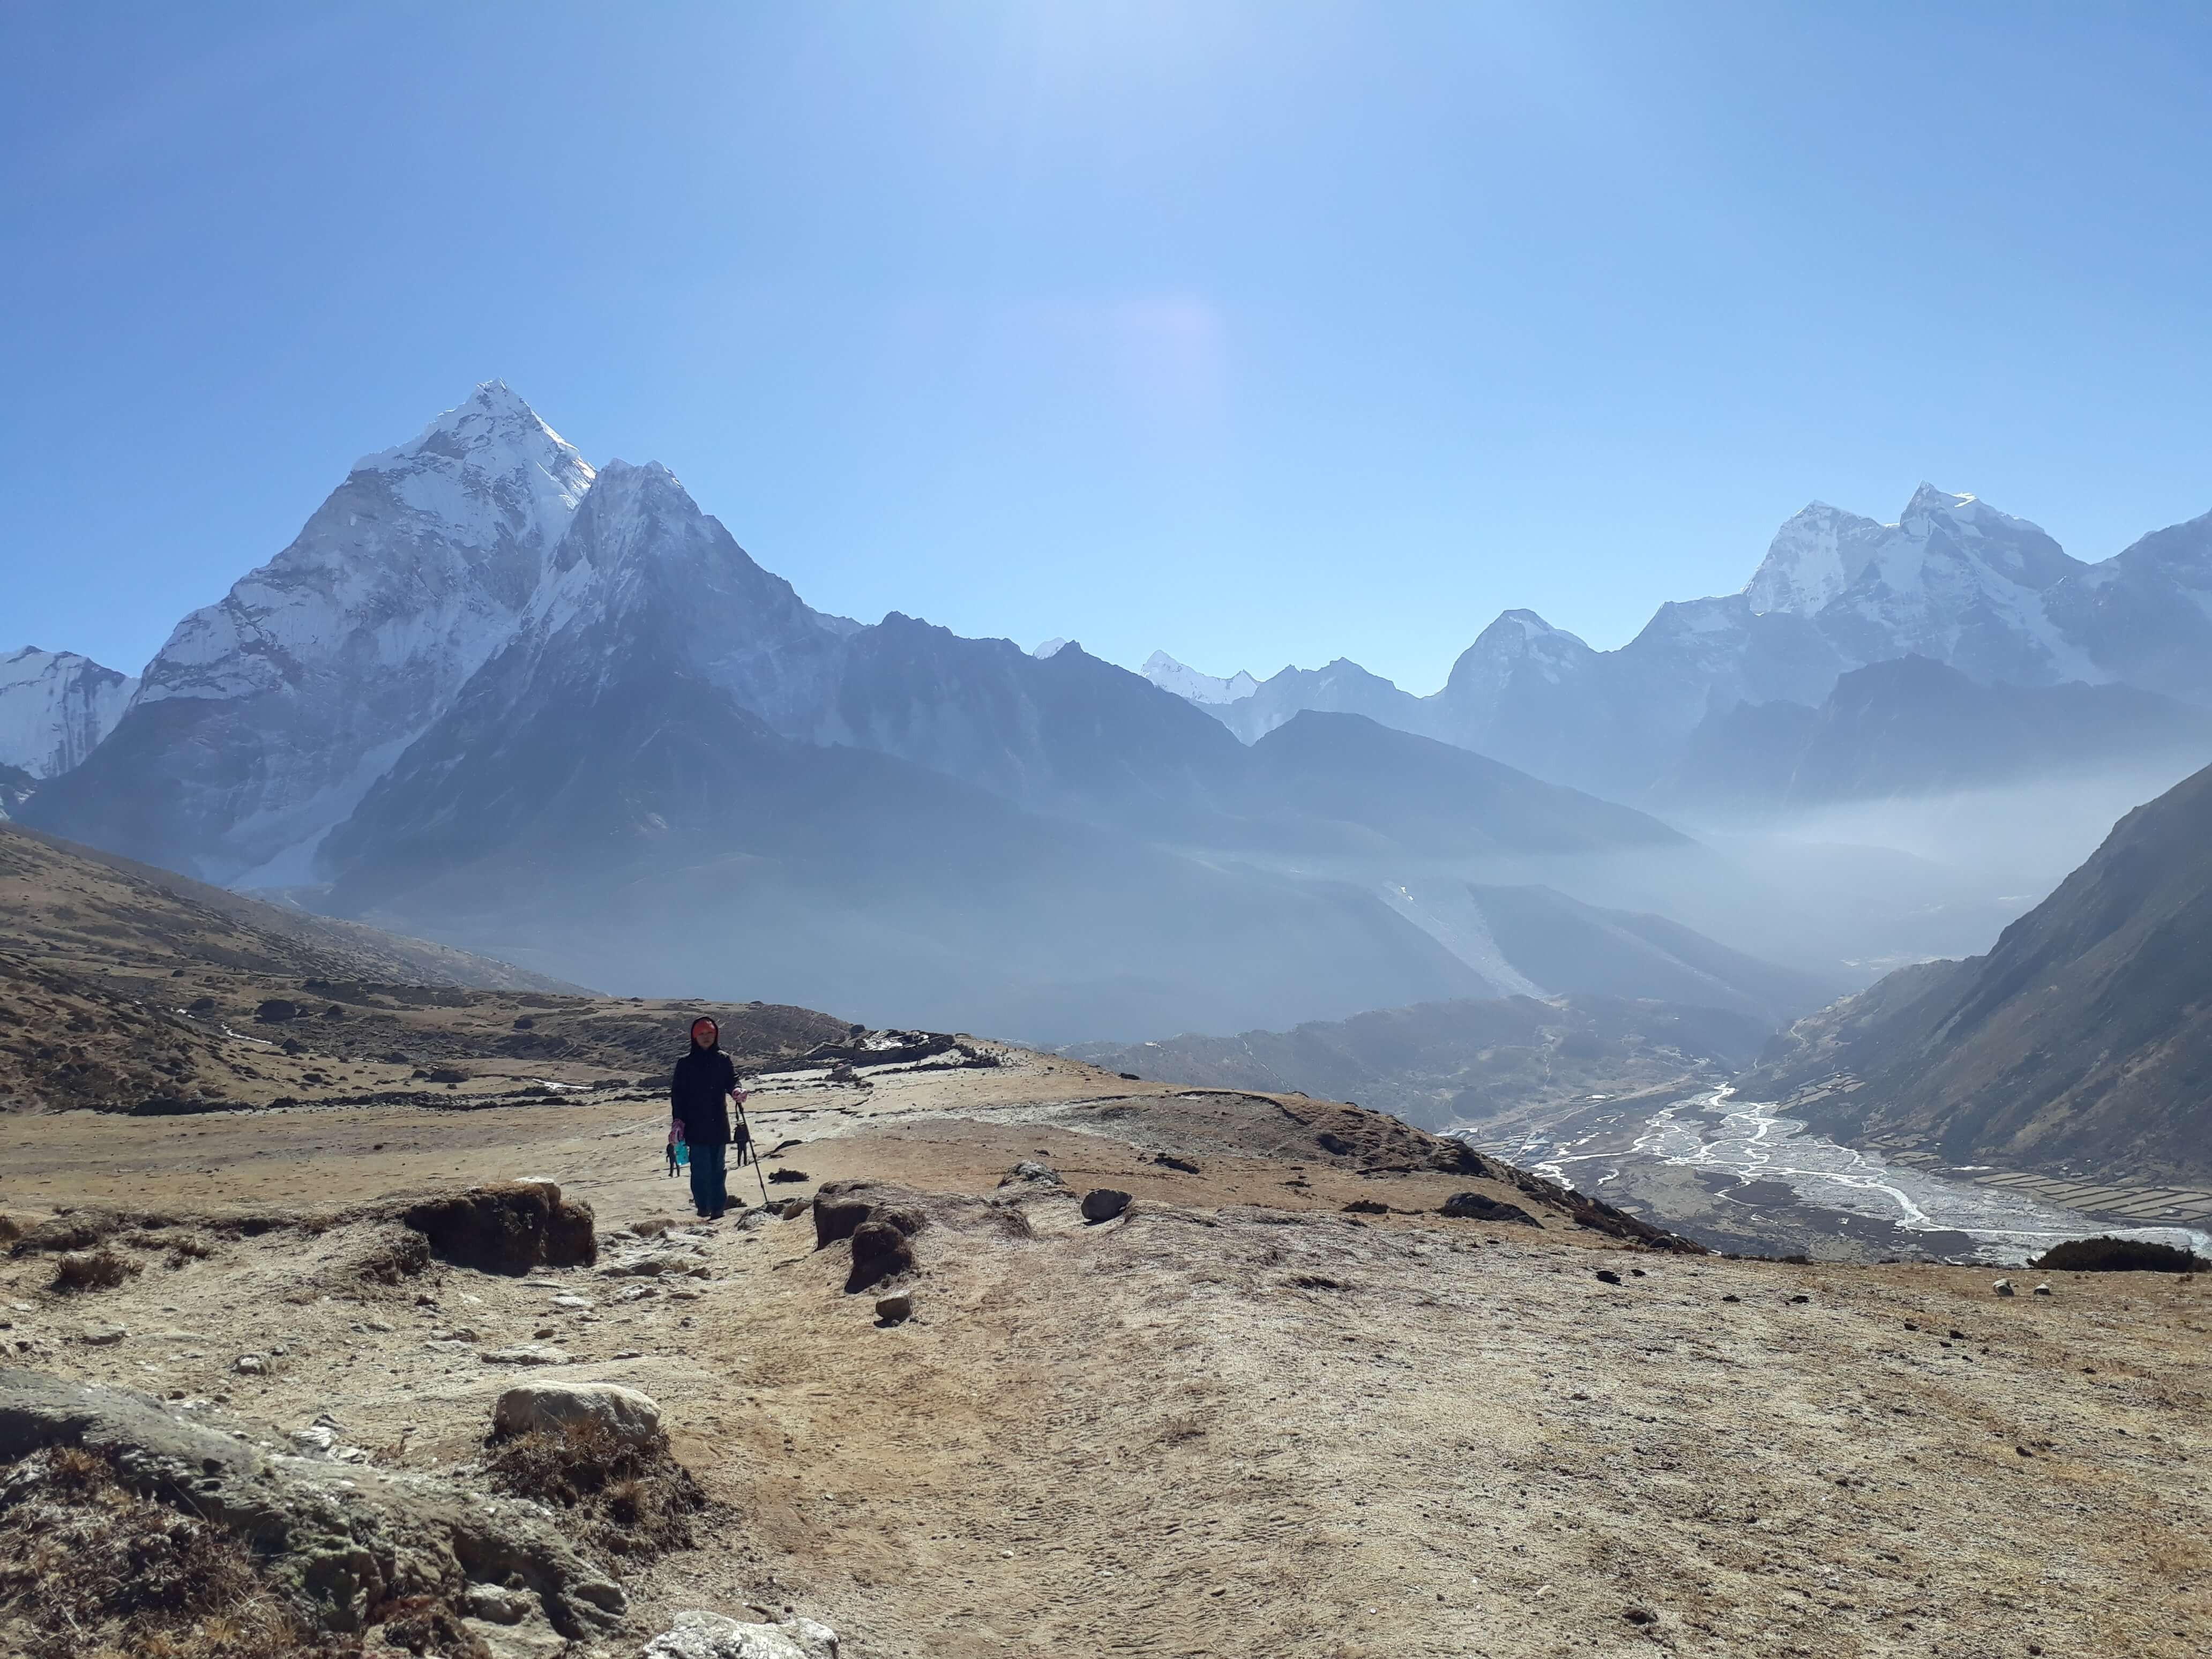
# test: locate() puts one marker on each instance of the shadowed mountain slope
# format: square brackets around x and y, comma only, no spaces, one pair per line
[2086,1033]
[1914,727]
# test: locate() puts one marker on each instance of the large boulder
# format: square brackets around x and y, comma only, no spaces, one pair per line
[337,1541]
[509,1227]
[717,1636]
[624,1414]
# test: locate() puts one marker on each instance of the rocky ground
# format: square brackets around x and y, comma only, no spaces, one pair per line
[1238,1417]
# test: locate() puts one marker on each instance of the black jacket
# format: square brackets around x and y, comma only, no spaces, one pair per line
[698,1094]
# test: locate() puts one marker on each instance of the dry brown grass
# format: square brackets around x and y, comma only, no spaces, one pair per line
[88,1569]
[91,1270]
[620,1499]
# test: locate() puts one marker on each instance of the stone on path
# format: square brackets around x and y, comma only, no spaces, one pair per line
[894,1310]
[1104,1203]
[630,1417]
[528,1353]
[716,1636]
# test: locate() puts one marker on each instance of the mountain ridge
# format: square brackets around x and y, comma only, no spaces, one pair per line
[1952,580]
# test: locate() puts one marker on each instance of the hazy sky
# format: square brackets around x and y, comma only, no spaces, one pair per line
[1258,332]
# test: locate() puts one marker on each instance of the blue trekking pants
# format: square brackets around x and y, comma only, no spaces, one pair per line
[708,1193]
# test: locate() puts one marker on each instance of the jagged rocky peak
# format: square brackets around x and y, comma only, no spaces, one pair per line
[55,706]
[1194,686]
[488,467]
[628,510]
[1815,556]
[1936,523]
[1053,648]
[1519,639]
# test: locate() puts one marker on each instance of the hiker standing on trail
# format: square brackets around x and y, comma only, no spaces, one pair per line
[704,1083]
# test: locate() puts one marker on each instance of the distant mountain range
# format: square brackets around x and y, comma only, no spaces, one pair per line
[1954,582]
[496,695]
[2085,1035]
[557,713]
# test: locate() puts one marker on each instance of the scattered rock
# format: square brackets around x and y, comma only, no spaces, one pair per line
[528,1353]
[250,1364]
[508,1228]
[572,1304]
[1731,1297]
[2002,1287]
[624,1414]
[1607,1276]
[1104,1203]
[716,1636]
[1800,1298]
[1028,1169]
[496,1605]
[880,1251]
[1475,1207]
[1640,1616]
[895,1310]
[774,1175]
[1170,1161]
[1367,1207]
[2043,1289]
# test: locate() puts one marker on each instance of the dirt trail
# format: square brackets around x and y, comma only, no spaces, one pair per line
[1237,1421]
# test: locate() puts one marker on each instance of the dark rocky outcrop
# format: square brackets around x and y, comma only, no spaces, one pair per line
[1104,1203]
[1474,1206]
[2119,1255]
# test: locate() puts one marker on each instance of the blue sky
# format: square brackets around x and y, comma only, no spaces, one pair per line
[1258,332]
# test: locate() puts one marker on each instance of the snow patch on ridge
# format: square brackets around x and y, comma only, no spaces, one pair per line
[1190,684]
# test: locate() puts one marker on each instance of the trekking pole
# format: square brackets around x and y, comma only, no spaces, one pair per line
[752,1150]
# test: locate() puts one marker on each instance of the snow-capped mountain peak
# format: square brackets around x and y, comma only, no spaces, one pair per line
[1193,686]
[55,706]
[1050,649]
[317,669]
[489,465]
[1815,556]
